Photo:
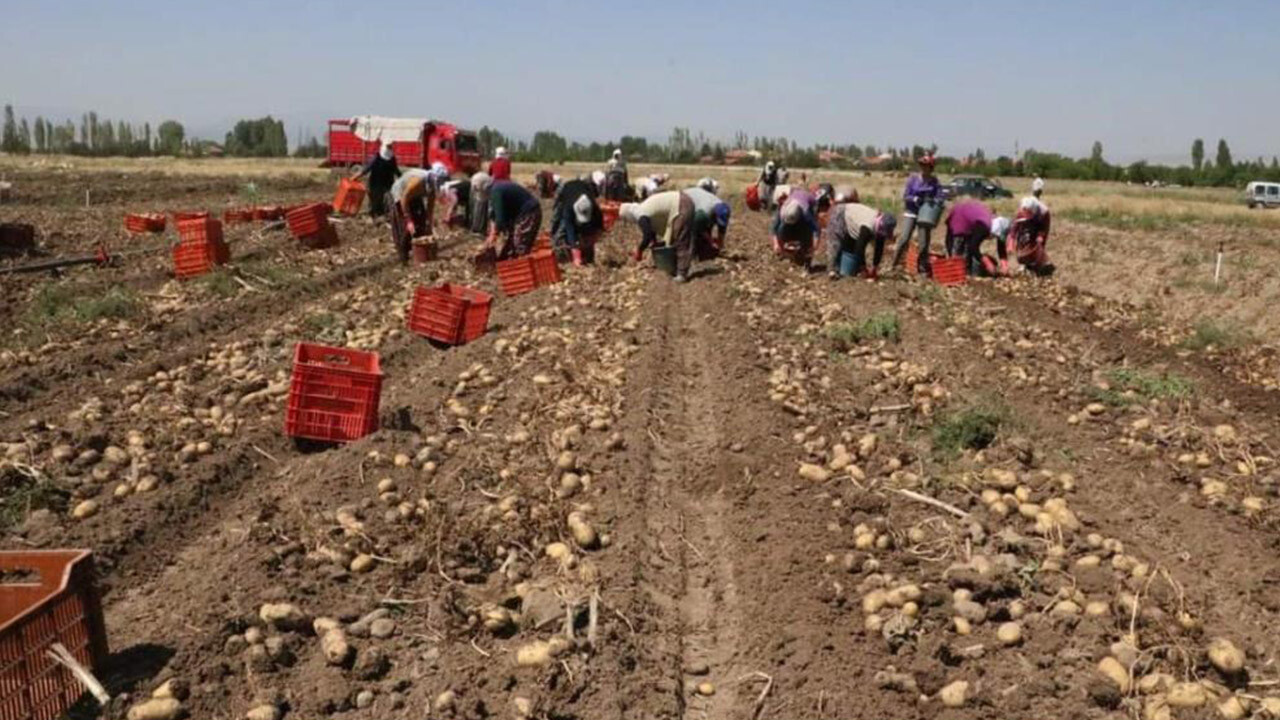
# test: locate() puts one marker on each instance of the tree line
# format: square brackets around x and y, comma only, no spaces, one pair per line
[95,136]
[265,137]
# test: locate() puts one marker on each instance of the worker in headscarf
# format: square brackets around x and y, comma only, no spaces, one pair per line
[766,182]
[547,183]
[710,222]
[824,195]
[795,228]
[412,198]
[845,194]
[617,184]
[576,220]
[500,166]
[598,179]
[1037,188]
[665,218]
[709,184]
[850,227]
[779,196]
[382,170]
[480,183]
[920,188]
[652,184]
[516,215]
[1030,234]
[968,225]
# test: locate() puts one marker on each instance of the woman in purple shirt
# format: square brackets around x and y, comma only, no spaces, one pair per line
[924,186]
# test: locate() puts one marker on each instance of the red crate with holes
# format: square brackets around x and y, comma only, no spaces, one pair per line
[46,597]
[609,213]
[545,269]
[181,215]
[515,276]
[350,196]
[334,393]
[453,314]
[139,223]
[242,215]
[949,271]
[192,259]
[307,220]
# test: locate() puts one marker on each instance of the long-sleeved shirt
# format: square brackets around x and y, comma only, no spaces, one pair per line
[661,209]
[850,219]
[564,217]
[382,173]
[968,217]
[500,168]
[413,183]
[806,201]
[919,188]
[507,202]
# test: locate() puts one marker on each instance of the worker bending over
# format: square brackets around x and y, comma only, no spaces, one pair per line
[710,223]
[969,224]
[1030,234]
[795,228]
[516,216]
[412,199]
[576,220]
[652,184]
[850,227]
[667,219]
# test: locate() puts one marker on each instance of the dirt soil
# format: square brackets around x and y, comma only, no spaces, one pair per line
[761,494]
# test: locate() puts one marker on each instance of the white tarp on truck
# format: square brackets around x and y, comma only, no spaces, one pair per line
[373,127]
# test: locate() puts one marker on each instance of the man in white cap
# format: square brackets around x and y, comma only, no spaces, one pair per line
[382,170]
[576,220]
[500,166]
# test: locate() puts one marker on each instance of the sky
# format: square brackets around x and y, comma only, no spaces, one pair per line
[1144,77]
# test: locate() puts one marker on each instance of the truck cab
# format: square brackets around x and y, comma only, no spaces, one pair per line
[458,150]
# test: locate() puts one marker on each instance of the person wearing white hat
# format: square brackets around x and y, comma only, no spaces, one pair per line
[576,220]
[500,166]
[1037,187]
[479,200]
[767,182]
[651,184]
[710,185]
[617,185]
[382,170]
[1030,234]
[598,179]
[413,198]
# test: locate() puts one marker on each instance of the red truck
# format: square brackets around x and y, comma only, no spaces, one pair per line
[416,142]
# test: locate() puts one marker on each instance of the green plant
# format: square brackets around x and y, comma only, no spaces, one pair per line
[21,492]
[973,427]
[881,326]
[1129,386]
[221,283]
[929,294]
[55,303]
[1208,333]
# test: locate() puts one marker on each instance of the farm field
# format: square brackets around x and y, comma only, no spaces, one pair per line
[758,495]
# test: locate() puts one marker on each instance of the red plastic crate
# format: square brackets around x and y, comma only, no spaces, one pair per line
[190,215]
[609,213]
[47,597]
[454,314]
[950,271]
[543,242]
[243,215]
[327,237]
[200,230]
[545,269]
[144,222]
[350,196]
[308,220]
[268,212]
[334,393]
[191,259]
[515,276]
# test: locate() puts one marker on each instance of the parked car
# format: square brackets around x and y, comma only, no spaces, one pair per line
[1262,194]
[976,186]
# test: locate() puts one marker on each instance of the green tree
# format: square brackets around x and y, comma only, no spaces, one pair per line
[146,136]
[263,137]
[1095,155]
[24,137]
[41,137]
[1224,156]
[169,138]
[9,136]
[1197,154]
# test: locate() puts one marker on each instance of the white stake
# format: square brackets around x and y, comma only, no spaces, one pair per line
[1217,268]
[86,197]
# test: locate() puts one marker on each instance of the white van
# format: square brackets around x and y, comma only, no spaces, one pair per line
[1262,194]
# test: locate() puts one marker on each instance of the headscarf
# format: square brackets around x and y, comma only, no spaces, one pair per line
[500,152]
[1037,185]
[617,154]
[1000,227]
[481,181]
[386,151]
[721,213]
[885,223]
[710,185]
[439,173]
[791,212]
[597,177]
[582,209]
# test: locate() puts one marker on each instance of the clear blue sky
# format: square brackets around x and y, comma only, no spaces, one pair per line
[1143,76]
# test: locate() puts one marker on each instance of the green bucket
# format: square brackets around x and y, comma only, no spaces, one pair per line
[929,214]
[664,258]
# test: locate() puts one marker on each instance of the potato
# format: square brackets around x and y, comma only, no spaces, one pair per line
[814,473]
[954,694]
[1186,695]
[85,510]
[334,645]
[1009,633]
[1116,673]
[156,709]
[1225,656]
